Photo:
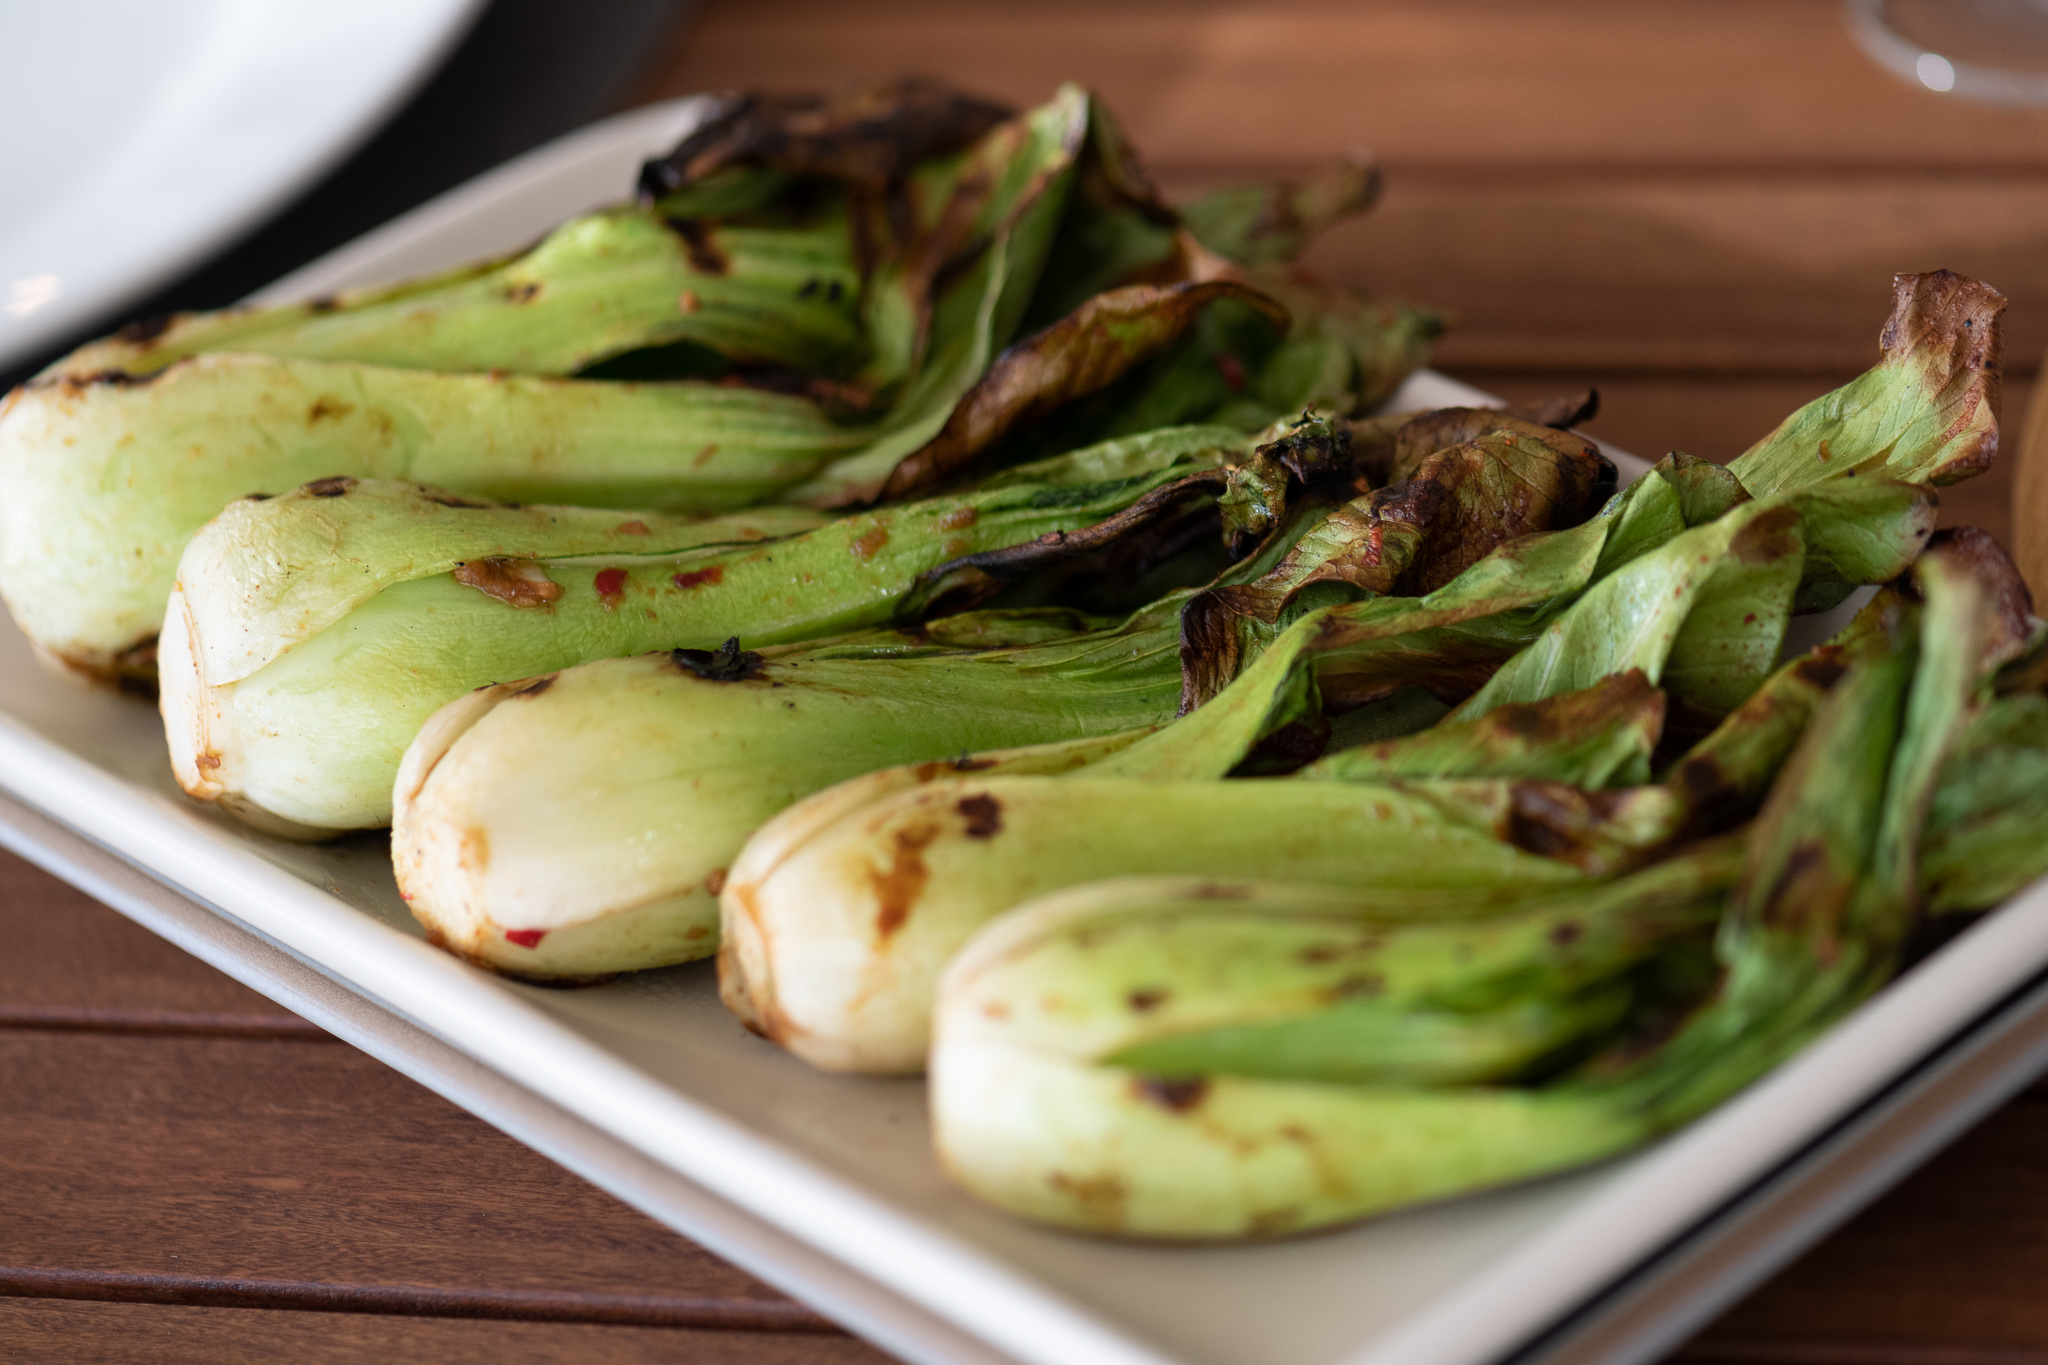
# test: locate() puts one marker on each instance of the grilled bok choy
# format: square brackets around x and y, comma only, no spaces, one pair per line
[1940,356]
[581,824]
[817,293]
[672,768]
[1226,1059]
[312,635]
[831,952]
[113,458]
[102,491]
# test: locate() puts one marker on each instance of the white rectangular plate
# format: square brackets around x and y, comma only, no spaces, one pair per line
[825,1184]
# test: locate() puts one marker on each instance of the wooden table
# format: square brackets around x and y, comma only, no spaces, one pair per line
[1696,207]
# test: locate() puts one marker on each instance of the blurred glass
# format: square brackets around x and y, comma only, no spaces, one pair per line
[1991,50]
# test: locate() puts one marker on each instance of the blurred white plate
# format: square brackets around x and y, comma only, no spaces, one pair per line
[142,134]
[825,1185]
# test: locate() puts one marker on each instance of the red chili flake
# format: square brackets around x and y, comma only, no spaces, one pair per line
[1749,620]
[699,577]
[1232,370]
[525,938]
[611,587]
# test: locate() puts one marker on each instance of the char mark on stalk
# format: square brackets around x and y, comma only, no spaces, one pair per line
[443,498]
[869,136]
[983,814]
[700,245]
[962,763]
[837,397]
[1823,667]
[1712,798]
[898,886]
[515,582]
[1174,1094]
[333,487]
[1810,891]
[142,331]
[1568,823]
[112,379]
[727,663]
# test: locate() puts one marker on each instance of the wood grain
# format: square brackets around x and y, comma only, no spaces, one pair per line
[68,954]
[260,1193]
[1585,186]
[412,1300]
[1482,89]
[1738,277]
[56,1332]
[290,1161]
[1956,1256]
[2028,459]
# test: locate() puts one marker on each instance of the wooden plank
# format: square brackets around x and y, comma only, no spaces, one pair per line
[1738,277]
[413,1300]
[1953,1259]
[54,1331]
[1480,89]
[289,1161]
[72,962]
[1591,236]
[2026,430]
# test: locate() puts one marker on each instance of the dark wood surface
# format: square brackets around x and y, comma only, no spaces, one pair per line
[1696,207]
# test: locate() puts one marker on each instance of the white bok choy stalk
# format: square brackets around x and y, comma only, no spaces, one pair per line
[582,823]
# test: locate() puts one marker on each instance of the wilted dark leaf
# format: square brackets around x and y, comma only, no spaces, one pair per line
[1409,538]
[1927,412]
[870,136]
[1273,224]
[1076,356]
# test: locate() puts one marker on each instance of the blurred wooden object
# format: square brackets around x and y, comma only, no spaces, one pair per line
[2028,456]
[1697,207]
